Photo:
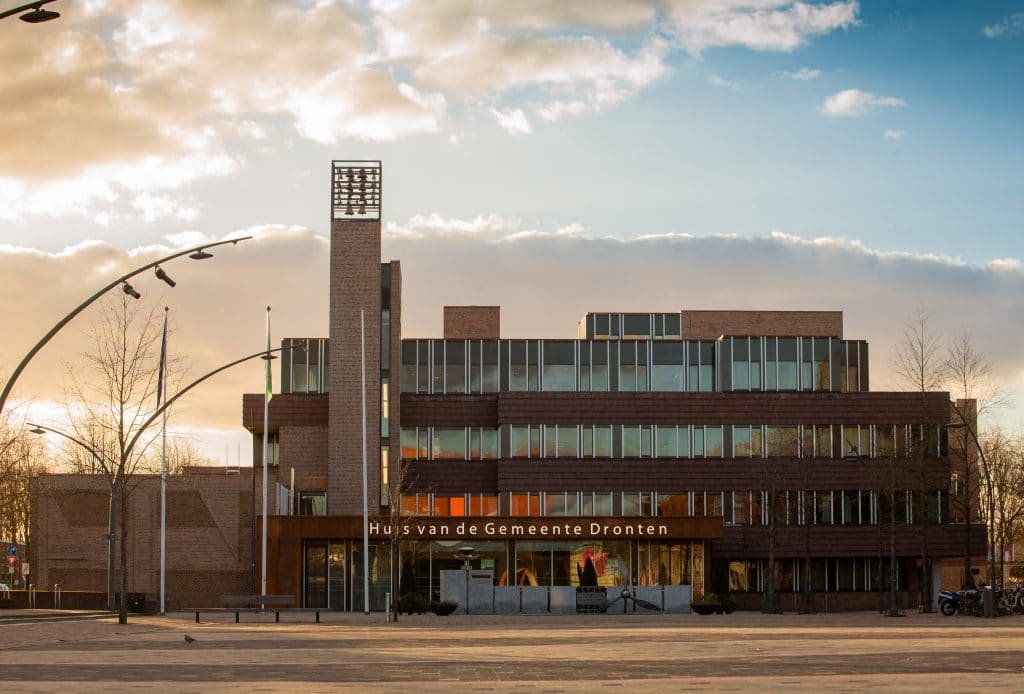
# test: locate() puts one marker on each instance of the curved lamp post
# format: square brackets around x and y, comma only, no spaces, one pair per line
[990,525]
[196,253]
[34,14]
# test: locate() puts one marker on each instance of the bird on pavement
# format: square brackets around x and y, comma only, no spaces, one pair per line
[188,639]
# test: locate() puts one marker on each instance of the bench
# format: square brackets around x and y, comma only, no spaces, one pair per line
[255,603]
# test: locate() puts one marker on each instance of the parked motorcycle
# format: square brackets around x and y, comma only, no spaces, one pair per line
[950,602]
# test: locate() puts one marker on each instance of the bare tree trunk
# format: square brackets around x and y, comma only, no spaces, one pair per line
[122,615]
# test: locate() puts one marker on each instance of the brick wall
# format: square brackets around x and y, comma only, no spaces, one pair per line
[709,325]
[304,449]
[209,534]
[472,322]
[354,286]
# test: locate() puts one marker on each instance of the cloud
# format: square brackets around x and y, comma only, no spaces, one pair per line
[763,25]
[718,81]
[851,103]
[803,74]
[513,121]
[1007,27]
[894,134]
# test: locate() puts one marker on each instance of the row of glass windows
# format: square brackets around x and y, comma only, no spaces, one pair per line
[726,364]
[850,441]
[827,575]
[305,365]
[844,507]
[630,326]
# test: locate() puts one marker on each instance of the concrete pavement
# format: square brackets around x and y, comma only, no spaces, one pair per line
[739,652]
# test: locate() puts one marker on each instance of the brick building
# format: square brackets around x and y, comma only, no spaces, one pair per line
[653,445]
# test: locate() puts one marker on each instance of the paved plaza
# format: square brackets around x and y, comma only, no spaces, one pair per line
[739,652]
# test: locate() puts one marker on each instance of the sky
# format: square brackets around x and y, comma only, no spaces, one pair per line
[552,158]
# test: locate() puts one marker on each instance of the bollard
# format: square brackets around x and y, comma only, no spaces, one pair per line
[387,606]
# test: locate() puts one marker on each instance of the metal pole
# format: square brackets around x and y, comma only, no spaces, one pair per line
[112,548]
[266,430]
[163,477]
[366,494]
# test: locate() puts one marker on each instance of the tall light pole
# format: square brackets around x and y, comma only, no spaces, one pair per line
[196,253]
[990,525]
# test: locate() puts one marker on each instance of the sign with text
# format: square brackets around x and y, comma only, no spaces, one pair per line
[563,528]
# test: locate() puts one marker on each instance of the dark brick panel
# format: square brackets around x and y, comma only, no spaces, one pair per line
[449,410]
[452,476]
[286,409]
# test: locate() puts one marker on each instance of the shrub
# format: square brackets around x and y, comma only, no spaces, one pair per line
[443,608]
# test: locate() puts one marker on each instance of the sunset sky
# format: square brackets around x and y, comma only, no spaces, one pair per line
[549,157]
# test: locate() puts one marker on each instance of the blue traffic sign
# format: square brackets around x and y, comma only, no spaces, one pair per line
[12,551]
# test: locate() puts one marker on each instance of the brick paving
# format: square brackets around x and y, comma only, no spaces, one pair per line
[739,652]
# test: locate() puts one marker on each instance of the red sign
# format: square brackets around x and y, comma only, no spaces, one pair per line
[11,560]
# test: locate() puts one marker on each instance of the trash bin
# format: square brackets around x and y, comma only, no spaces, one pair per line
[136,602]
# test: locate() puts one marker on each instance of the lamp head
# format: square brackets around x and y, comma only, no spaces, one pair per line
[161,275]
[200,255]
[130,291]
[39,15]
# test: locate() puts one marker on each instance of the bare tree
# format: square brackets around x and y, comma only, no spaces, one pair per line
[976,392]
[919,364]
[22,457]
[1005,456]
[109,401]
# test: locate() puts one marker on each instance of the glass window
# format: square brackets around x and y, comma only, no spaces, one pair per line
[312,503]
[408,366]
[667,366]
[554,504]
[741,442]
[713,442]
[698,441]
[597,504]
[741,508]
[667,441]
[409,449]
[455,367]
[628,376]
[740,363]
[631,441]
[483,505]
[559,365]
[824,501]
[599,373]
[489,447]
[771,366]
[885,440]
[787,363]
[673,504]
[524,504]
[631,503]
[782,442]
[821,365]
[449,444]
[489,369]
[823,441]
[517,375]
[636,326]
[519,441]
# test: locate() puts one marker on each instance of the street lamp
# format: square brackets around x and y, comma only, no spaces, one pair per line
[35,13]
[109,536]
[196,253]
[990,525]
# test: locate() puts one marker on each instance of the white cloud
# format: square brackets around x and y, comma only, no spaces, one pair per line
[803,74]
[513,121]
[851,103]
[764,25]
[718,81]
[1007,27]
[1004,265]
[894,134]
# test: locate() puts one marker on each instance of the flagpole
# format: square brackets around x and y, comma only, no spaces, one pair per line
[161,392]
[366,496]
[266,429]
